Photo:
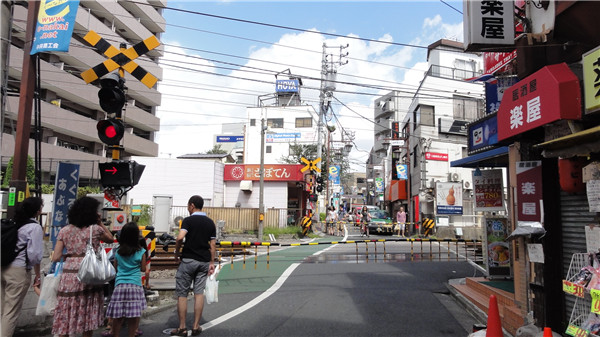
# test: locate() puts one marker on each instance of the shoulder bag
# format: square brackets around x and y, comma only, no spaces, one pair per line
[95,267]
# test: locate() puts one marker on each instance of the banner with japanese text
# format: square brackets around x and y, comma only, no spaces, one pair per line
[54,28]
[65,193]
[529,191]
[449,198]
[334,174]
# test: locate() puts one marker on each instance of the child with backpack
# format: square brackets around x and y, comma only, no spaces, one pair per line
[128,299]
[22,250]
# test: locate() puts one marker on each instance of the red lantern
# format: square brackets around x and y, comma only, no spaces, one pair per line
[570,172]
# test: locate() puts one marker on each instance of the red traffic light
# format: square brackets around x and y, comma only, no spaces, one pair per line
[110,131]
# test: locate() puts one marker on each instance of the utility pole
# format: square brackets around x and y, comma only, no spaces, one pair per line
[18,183]
[328,77]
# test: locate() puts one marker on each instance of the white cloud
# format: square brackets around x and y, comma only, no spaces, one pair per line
[195,104]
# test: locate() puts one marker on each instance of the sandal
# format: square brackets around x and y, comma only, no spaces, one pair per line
[107,333]
[139,332]
[179,332]
[196,332]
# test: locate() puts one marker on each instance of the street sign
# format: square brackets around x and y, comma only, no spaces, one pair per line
[310,165]
[120,59]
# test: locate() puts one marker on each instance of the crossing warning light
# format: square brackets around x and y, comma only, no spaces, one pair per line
[111,94]
[110,131]
[120,173]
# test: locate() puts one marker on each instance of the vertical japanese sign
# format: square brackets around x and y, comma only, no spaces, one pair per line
[55,23]
[591,79]
[488,23]
[449,198]
[65,193]
[488,191]
[334,174]
[529,191]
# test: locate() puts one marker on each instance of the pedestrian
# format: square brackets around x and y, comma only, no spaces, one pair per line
[196,262]
[128,300]
[79,307]
[16,277]
[401,220]
[365,219]
[331,219]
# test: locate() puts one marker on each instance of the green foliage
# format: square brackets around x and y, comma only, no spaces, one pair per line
[82,191]
[29,175]
[145,215]
[297,151]
[47,189]
[217,150]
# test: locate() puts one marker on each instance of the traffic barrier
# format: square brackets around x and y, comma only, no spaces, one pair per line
[494,327]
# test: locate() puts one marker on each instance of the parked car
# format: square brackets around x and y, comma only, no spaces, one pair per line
[381,222]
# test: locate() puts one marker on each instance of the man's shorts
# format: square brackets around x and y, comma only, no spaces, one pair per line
[191,270]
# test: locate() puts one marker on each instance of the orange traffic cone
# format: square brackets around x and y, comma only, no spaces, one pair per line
[494,326]
[547,332]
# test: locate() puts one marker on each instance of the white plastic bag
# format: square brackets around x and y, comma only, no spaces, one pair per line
[211,290]
[95,267]
[47,301]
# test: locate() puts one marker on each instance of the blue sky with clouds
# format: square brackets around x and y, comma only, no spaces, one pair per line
[195,104]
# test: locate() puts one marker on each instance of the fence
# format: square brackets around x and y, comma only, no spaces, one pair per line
[238,219]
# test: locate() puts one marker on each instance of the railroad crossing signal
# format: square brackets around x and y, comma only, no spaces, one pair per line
[120,173]
[310,165]
[110,131]
[120,59]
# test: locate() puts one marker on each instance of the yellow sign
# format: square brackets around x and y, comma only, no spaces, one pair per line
[591,79]
[573,289]
[576,331]
[595,301]
[120,59]
[310,165]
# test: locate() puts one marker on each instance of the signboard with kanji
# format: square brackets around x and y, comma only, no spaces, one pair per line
[65,193]
[449,198]
[488,189]
[591,79]
[550,94]
[488,23]
[529,191]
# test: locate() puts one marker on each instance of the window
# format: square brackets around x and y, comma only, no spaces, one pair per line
[275,123]
[253,122]
[465,108]
[406,130]
[304,122]
[415,151]
[427,115]
[360,180]
[424,115]
[268,149]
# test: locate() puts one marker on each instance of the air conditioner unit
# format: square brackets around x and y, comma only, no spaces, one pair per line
[455,176]
[466,185]
[53,141]
[246,185]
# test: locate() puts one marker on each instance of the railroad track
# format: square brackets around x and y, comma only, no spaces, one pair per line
[165,260]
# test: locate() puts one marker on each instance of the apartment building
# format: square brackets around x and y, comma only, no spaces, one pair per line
[429,134]
[69,108]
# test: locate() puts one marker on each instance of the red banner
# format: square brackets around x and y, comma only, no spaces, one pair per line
[272,172]
[550,94]
[436,156]
[529,190]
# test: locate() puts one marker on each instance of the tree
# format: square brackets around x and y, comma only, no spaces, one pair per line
[30,175]
[217,150]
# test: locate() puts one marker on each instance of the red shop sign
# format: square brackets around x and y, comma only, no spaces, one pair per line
[529,190]
[436,156]
[272,172]
[550,94]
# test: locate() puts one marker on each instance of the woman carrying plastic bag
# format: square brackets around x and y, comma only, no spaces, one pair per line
[47,301]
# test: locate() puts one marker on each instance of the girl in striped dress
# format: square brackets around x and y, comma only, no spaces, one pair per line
[128,301]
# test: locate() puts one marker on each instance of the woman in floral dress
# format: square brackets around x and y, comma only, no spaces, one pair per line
[80,306]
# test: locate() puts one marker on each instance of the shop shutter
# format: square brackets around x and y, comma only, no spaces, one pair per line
[575,214]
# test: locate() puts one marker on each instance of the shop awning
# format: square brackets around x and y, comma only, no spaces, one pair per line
[577,144]
[527,229]
[497,157]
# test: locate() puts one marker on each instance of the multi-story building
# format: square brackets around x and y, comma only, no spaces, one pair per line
[69,108]
[430,133]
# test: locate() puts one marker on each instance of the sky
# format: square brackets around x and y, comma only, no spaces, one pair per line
[220,56]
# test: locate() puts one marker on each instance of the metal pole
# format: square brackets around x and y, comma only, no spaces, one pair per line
[261,196]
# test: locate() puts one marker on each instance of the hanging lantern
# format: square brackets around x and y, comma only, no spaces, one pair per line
[570,172]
